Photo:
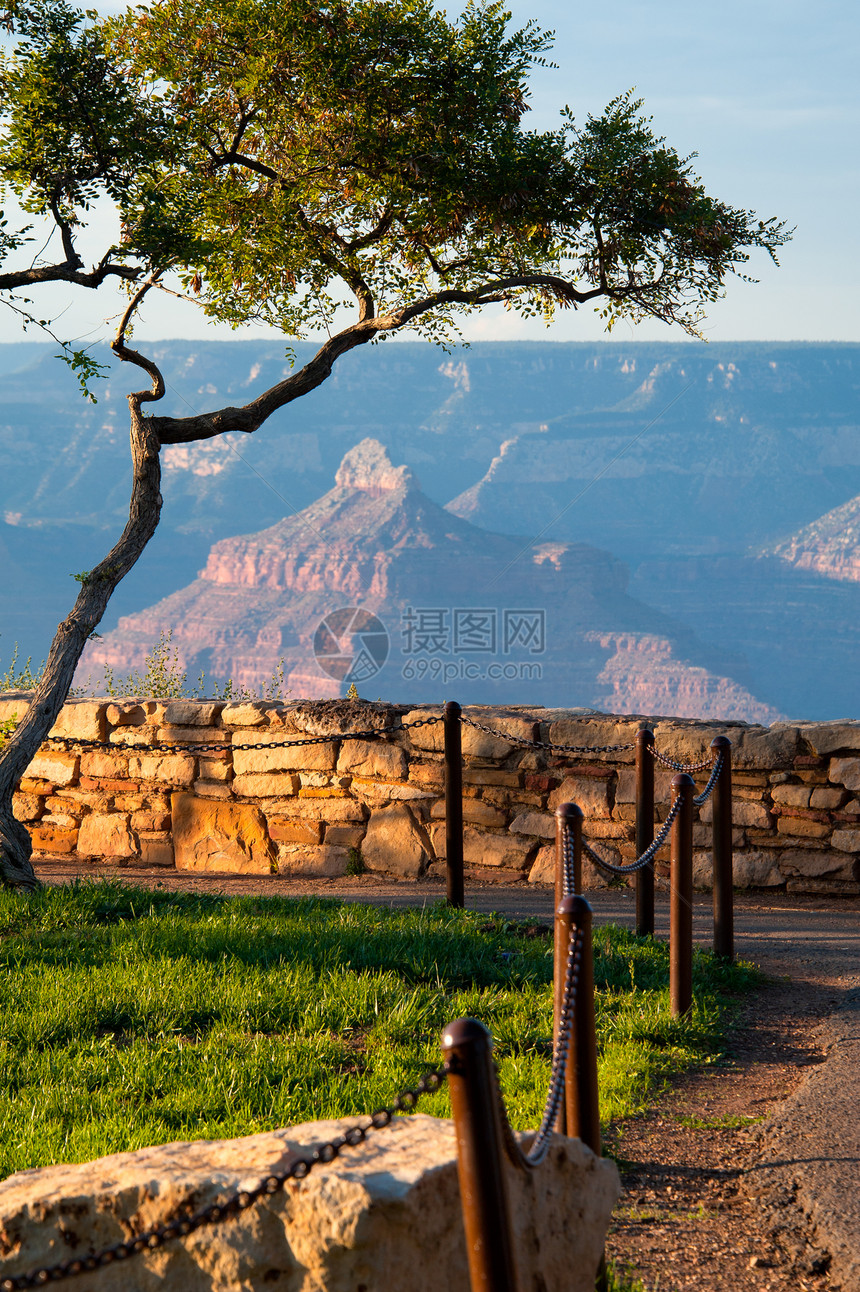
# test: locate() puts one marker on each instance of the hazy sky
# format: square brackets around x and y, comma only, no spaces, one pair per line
[766,93]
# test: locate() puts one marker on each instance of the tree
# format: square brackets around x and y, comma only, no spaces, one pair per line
[289,160]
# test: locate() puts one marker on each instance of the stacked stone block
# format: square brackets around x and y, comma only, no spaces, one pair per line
[313,809]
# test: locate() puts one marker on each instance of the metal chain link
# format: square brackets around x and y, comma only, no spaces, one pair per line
[193,746]
[680,767]
[699,799]
[299,1167]
[544,744]
[569,861]
[541,1141]
[649,853]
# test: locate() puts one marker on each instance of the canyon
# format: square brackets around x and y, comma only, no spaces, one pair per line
[725,477]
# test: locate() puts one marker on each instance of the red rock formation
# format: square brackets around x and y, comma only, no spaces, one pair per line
[376,542]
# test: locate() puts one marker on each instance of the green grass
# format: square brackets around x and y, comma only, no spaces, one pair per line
[132,1017]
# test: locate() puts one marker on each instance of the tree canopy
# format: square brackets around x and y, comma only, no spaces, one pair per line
[348,167]
[284,157]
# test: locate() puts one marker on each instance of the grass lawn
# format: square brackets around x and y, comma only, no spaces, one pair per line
[133,1017]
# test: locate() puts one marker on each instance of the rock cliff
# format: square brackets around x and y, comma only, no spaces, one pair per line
[457,610]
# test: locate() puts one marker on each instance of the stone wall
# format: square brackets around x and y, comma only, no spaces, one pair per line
[322,808]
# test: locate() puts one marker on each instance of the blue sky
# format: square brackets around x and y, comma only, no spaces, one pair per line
[766,93]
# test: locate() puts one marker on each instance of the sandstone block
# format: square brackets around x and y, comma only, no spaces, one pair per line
[542,870]
[171,769]
[149,819]
[323,860]
[345,836]
[106,835]
[27,807]
[291,758]
[535,823]
[625,789]
[491,776]
[250,713]
[475,811]
[804,861]
[339,809]
[480,849]
[54,766]
[845,771]
[792,795]
[592,730]
[14,704]
[191,713]
[306,832]
[215,768]
[373,759]
[427,775]
[827,799]
[51,839]
[588,793]
[846,840]
[212,790]
[395,843]
[756,870]
[264,786]
[385,1214]
[378,793]
[59,821]
[831,737]
[768,749]
[126,715]
[81,720]
[802,827]
[744,811]
[156,849]
[210,835]
[100,764]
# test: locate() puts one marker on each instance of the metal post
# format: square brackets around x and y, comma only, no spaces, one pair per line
[644,829]
[724,942]
[468,1048]
[453,804]
[582,1104]
[567,817]
[681,905]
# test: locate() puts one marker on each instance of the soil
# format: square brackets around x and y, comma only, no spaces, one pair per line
[686,1218]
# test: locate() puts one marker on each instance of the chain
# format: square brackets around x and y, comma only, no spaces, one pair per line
[569,872]
[544,744]
[649,853]
[541,1141]
[680,767]
[193,746]
[699,799]
[297,1169]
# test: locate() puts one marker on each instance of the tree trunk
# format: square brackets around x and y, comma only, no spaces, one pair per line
[16,870]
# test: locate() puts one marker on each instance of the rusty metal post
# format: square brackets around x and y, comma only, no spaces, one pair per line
[644,829]
[681,905]
[582,1104]
[453,804]
[568,816]
[468,1048]
[724,940]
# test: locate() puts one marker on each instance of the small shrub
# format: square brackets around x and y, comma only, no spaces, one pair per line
[355,862]
[164,678]
[21,679]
